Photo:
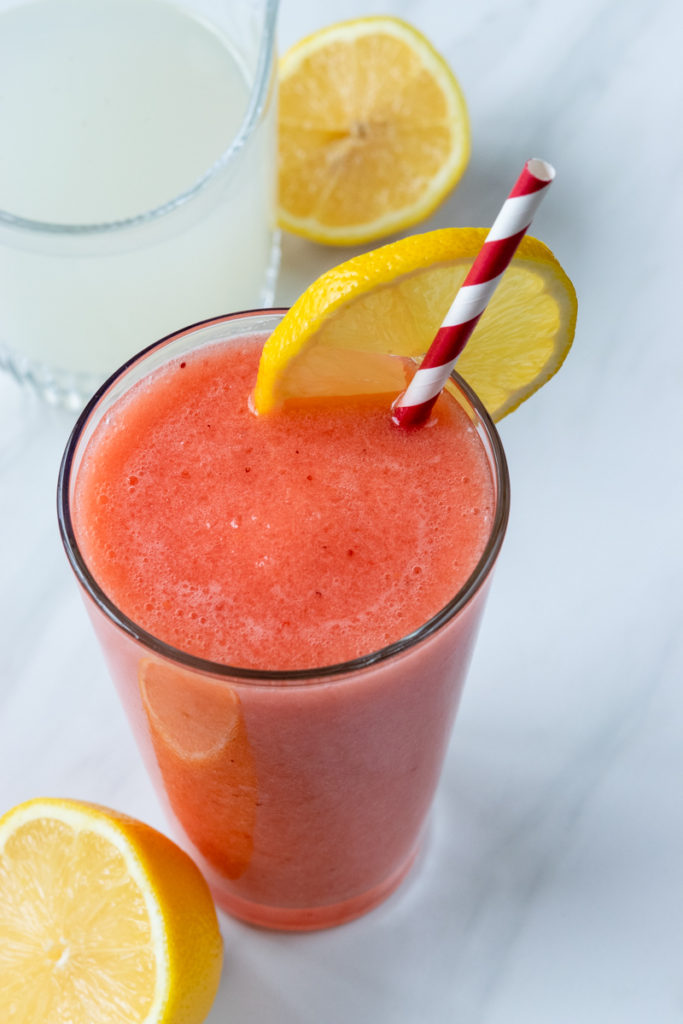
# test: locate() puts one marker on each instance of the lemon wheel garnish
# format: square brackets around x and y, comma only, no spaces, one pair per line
[103,920]
[340,336]
[372,131]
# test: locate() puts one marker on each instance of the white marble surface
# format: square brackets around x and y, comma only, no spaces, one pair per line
[551,888]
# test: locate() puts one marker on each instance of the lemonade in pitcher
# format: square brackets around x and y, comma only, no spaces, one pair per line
[136,187]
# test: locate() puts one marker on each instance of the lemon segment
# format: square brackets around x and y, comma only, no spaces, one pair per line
[103,920]
[342,335]
[200,741]
[373,131]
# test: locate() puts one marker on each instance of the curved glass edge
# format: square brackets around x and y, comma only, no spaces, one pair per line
[257,101]
[267,677]
[71,389]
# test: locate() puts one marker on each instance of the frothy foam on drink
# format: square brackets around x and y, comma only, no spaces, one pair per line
[304,538]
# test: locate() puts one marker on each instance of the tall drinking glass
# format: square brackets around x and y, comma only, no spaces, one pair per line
[302,794]
[137,181]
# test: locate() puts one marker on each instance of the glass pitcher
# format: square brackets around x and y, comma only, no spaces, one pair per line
[138,191]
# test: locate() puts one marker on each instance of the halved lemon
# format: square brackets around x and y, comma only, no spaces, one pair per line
[372,131]
[341,336]
[103,920]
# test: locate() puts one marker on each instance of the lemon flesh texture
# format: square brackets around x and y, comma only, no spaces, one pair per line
[373,131]
[342,335]
[90,929]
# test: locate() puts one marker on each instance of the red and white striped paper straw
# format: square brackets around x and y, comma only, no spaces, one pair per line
[413,407]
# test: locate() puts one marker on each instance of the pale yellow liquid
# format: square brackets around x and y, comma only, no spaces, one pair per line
[110,109]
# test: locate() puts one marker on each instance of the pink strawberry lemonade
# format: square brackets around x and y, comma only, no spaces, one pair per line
[294,541]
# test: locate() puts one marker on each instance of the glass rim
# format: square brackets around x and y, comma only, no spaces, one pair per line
[252,116]
[266,677]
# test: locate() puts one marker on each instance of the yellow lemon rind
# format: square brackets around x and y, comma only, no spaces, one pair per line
[185,948]
[387,266]
[448,175]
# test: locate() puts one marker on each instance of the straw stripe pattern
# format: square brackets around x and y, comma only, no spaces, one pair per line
[509,227]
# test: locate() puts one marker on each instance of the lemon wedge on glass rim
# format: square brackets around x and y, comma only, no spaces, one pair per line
[373,131]
[103,920]
[341,336]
